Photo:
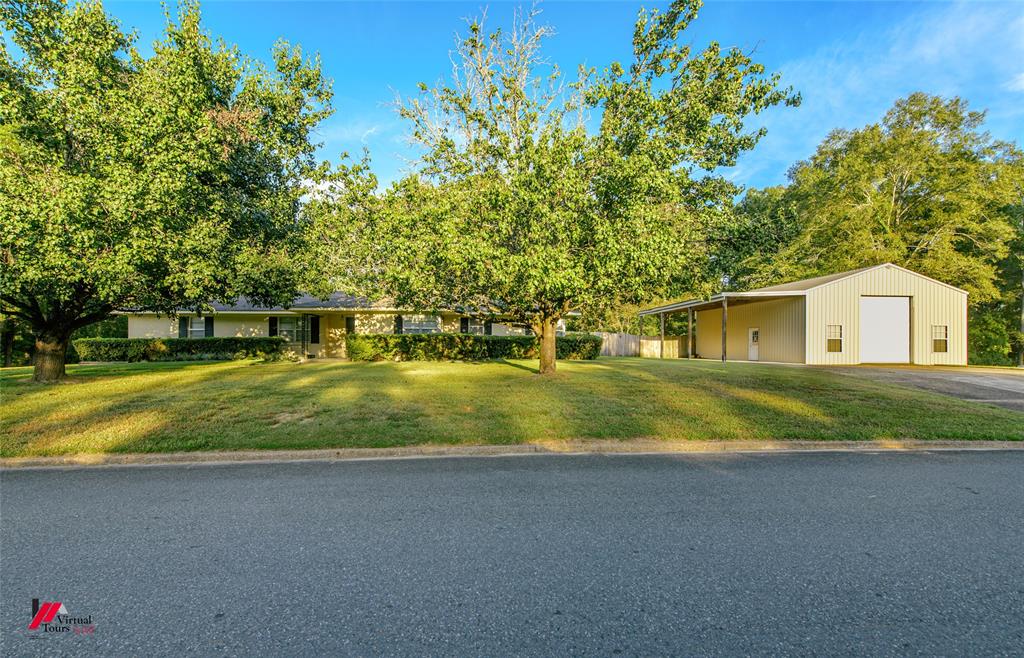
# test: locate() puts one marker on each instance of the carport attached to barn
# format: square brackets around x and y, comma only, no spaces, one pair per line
[879,314]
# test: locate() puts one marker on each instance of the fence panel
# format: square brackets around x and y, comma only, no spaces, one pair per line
[650,347]
[619,344]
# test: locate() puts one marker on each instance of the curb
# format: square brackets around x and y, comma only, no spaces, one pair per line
[634,447]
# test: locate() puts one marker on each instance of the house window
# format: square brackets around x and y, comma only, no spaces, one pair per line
[421,324]
[350,324]
[290,328]
[476,326]
[834,337]
[196,327]
[940,338]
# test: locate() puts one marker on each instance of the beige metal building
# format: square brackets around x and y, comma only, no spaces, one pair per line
[879,314]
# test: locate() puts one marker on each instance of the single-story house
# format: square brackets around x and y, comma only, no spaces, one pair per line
[316,327]
[879,314]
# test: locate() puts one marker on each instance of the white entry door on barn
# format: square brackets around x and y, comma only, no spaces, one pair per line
[753,344]
[885,330]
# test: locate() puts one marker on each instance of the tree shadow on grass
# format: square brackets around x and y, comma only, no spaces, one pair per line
[519,366]
[342,404]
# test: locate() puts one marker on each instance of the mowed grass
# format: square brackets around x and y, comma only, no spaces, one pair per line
[159,407]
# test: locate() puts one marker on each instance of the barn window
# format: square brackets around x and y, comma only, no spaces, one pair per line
[940,338]
[834,337]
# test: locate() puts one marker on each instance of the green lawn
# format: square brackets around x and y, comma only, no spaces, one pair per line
[157,407]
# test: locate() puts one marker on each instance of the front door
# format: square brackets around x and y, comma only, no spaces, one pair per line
[753,338]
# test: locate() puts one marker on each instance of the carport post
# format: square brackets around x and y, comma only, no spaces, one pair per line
[661,350]
[689,333]
[725,317]
[640,335]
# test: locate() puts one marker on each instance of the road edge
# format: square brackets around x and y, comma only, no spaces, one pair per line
[628,447]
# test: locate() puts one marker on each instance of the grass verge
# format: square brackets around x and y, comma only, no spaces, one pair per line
[236,405]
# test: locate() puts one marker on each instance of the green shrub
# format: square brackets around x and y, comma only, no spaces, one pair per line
[464,347]
[178,349]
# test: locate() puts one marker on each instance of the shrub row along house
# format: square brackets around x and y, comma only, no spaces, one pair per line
[879,314]
[317,327]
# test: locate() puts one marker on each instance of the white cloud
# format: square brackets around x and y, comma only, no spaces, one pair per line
[352,130]
[957,49]
[1016,83]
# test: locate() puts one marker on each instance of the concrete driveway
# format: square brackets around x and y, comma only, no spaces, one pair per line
[1003,387]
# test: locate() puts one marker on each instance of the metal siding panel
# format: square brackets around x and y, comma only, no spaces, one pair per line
[781,324]
[932,304]
[709,333]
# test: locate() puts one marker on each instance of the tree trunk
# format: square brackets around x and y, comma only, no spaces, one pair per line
[547,346]
[48,361]
[8,346]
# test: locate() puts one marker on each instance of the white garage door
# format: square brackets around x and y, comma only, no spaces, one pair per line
[885,330]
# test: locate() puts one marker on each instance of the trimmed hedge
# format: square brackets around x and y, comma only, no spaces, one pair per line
[178,349]
[464,347]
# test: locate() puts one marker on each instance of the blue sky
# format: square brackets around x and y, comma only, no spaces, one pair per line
[850,60]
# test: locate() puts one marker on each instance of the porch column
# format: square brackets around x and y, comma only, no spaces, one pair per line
[661,349]
[690,347]
[725,318]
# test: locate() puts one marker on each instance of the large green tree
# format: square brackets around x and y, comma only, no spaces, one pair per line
[536,196]
[147,183]
[760,225]
[997,327]
[926,188]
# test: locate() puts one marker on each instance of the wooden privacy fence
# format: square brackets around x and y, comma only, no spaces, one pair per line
[618,344]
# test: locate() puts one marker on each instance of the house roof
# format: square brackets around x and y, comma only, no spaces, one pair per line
[336,301]
[791,289]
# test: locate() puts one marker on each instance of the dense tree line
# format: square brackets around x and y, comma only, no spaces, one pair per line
[926,188]
[166,182]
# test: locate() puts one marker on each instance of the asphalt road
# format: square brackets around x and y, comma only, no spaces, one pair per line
[728,554]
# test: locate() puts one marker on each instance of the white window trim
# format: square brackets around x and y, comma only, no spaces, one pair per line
[293,334]
[421,324]
[840,338]
[197,327]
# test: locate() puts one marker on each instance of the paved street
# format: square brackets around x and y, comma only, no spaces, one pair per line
[693,554]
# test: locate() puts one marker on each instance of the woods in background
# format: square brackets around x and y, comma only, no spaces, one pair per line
[926,188]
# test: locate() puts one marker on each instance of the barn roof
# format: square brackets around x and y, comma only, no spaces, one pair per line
[791,289]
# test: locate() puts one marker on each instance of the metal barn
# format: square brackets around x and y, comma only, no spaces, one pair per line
[879,314]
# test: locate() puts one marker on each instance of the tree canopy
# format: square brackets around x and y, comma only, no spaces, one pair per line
[926,188]
[146,183]
[537,195]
